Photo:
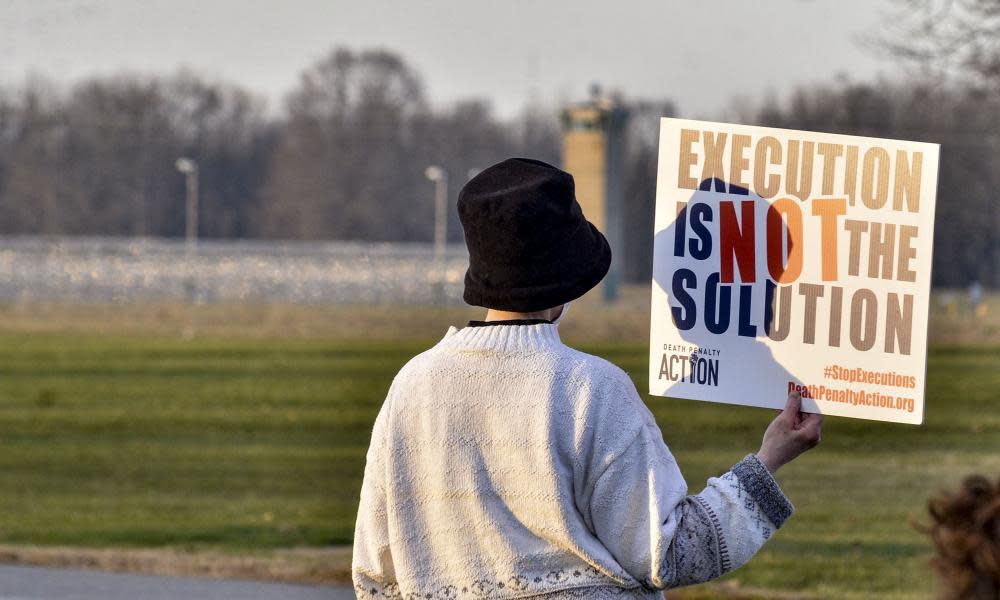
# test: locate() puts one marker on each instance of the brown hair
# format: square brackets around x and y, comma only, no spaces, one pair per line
[965,530]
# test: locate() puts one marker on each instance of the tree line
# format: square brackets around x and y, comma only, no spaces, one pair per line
[345,157]
[345,160]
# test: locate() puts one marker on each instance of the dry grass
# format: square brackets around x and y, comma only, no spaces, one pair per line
[298,565]
[952,321]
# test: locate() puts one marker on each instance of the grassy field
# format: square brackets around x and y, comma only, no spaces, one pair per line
[118,433]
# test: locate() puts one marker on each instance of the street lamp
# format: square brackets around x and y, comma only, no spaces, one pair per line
[439,177]
[189,168]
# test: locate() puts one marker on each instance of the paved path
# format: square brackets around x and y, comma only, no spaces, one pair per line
[38,583]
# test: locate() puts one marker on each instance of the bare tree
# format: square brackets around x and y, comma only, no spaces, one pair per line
[226,129]
[945,36]
[963,120]
[642,137]
[98,159]
[343,167]
[31,200]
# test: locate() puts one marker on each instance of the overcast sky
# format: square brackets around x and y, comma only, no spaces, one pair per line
[700,53]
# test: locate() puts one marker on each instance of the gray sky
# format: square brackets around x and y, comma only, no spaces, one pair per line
[699,53]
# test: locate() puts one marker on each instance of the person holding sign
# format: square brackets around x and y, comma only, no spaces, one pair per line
[504,464]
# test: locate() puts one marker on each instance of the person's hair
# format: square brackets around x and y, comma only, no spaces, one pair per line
[965,529]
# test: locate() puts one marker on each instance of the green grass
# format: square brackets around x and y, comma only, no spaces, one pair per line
[239,443]
[132,441]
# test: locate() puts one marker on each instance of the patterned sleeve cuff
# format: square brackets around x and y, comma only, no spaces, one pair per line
[763,489]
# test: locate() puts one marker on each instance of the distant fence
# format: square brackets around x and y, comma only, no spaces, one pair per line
[89,269]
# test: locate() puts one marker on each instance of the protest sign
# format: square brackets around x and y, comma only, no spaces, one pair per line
[792,260]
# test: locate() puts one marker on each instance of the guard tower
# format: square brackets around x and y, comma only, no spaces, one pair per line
[593,152]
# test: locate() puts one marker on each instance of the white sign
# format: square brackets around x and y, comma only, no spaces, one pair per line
[792,260]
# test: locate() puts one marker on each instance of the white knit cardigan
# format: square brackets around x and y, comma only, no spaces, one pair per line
[505,464]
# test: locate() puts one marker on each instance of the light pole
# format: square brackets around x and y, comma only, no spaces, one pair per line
[189,168]
[439,177]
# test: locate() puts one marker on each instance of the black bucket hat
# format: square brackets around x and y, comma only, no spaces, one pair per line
[530,247]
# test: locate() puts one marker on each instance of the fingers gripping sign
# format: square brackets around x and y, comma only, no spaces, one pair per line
[790,434]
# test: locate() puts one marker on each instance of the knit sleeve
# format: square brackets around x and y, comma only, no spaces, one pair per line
[663,537]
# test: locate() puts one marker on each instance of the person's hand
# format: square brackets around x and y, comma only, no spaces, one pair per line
[790,434]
